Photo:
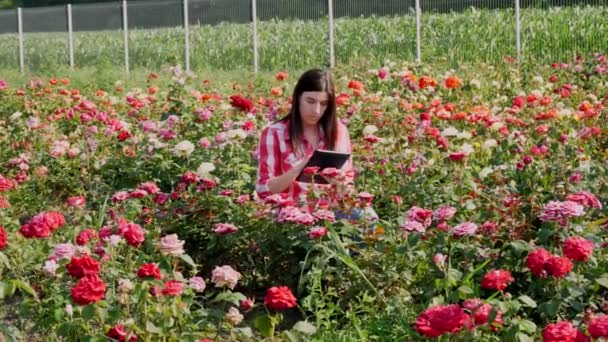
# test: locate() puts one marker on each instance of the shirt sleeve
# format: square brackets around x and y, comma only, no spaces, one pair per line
[268,162]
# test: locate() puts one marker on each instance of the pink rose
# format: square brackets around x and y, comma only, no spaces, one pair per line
[225,276]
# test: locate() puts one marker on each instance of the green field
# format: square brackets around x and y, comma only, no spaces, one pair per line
[472,36]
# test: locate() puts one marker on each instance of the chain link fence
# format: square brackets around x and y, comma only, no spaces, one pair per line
[296,34]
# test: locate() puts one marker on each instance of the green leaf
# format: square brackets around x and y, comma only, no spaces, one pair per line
[264,325]
[464,290]
[519,247]
[527,326]
[527,300]
[151,328]
[227,296]
[454,276]
[550,308]
[4,260]
[64,329]
[524,338]
[291,336]
[305,328]
[88,312]
[25,287]
[188,260]
[246,332]
[602,281]
[7,289]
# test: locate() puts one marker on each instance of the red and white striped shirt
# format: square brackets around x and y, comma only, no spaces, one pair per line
[276,156]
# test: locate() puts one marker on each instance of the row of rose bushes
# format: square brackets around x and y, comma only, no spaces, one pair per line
[103,192]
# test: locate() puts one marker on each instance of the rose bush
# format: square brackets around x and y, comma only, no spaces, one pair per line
[130,212]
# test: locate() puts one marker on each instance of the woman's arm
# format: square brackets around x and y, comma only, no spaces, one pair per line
[270,180]
[282,182]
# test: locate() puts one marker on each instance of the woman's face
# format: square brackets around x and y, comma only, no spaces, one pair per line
[312,106]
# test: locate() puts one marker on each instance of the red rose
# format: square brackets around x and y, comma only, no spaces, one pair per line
[248,126]
[173,288]
[558,266]
[3,239]
[82,267]
[42,225]
[237,101]
[118,333]
[482,314]
[124,135]
[577,248]
[149,271]
[279,298]
[89,289]
[76,201]
[598,326]
[457,156]
[4,203]
[311,170]
[132,232]
[85,236]
[440,319]
[30,230]
[5,184]
[559,332]
[518,101]
[206,184]
[53,219]
[536,261]
[246,304]
[496,280]
[281,76]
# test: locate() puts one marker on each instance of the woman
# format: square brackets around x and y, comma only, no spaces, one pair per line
[286,145]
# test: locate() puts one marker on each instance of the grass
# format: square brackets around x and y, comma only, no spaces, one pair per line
[454,38]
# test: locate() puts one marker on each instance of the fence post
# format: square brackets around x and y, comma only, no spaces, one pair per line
[70,36]
[125,30]
[330,11]
[187,34]
[517,32]
[418,28]
[20,29]
[254,19]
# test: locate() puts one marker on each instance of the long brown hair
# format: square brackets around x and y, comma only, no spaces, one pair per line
[313,80]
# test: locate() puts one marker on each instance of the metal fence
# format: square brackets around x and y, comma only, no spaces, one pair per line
[285,34]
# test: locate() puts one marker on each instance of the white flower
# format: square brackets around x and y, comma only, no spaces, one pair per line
[204,169]
[236,133]
[369,130]
[50,266]
[488,144]
[464,135]
[485,172]
[468,149]
[538,79]
[475,83]
[114,239]
[184,148]
[16,115]
[450,132]
[125,285]
[234,316]
[496,126]
[69,309]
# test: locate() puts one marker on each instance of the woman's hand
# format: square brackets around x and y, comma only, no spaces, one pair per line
[282,182]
